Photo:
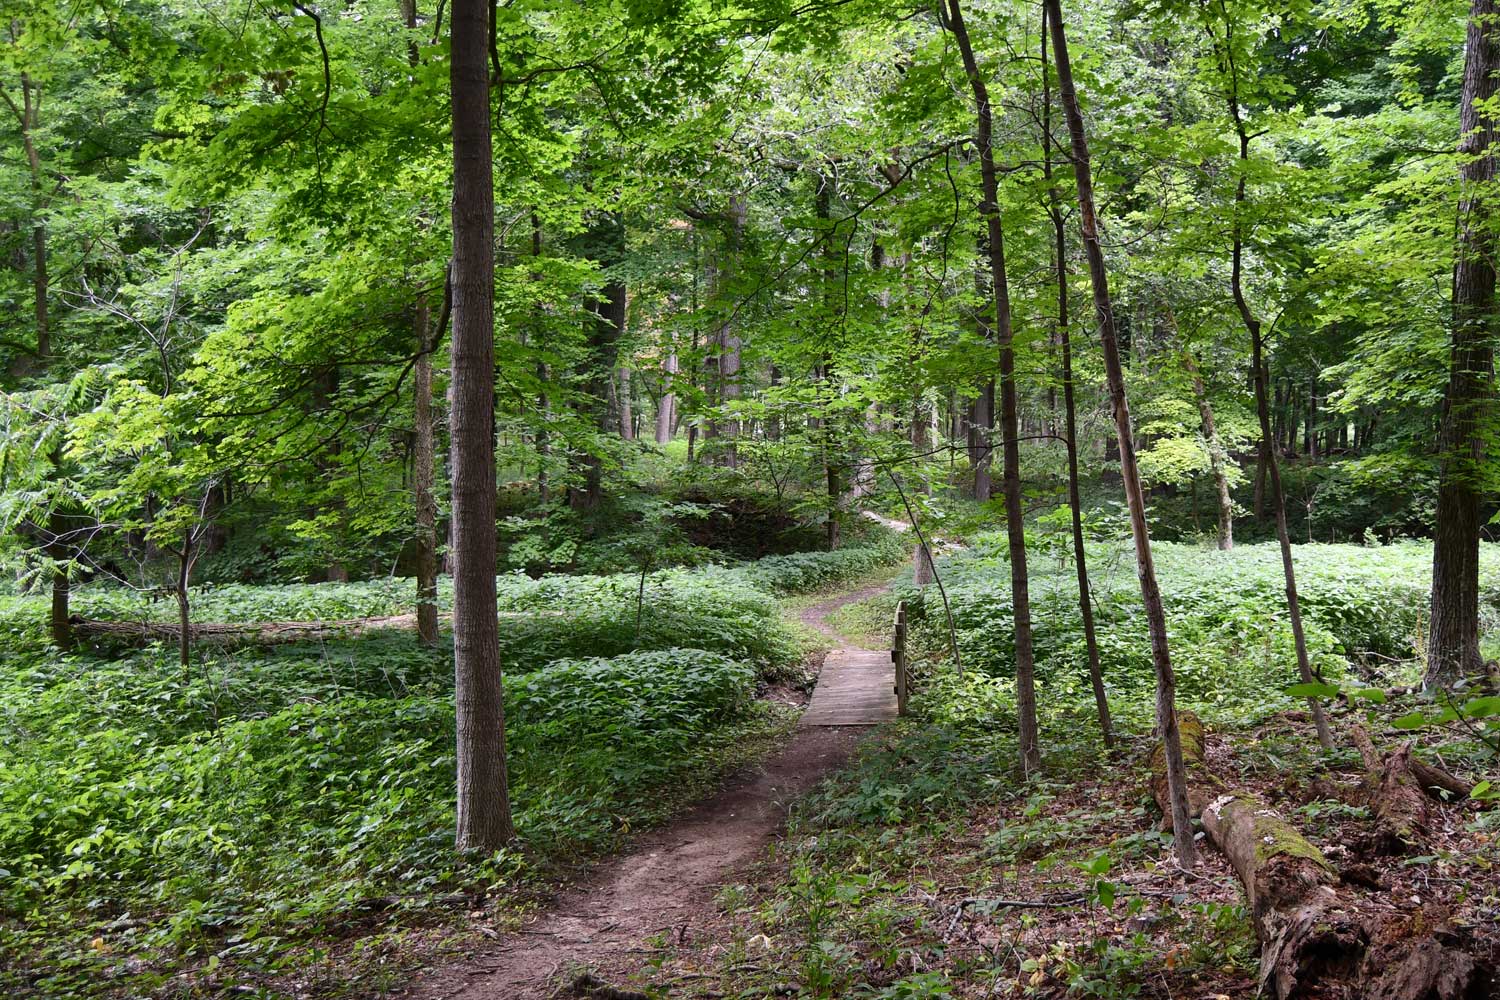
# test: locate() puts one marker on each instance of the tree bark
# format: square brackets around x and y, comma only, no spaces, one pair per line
[1453,638]
[1070,408]
[1156,618]
[1015,527]
[483,820]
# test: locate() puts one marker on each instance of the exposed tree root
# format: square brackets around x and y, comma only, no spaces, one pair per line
[1319,937]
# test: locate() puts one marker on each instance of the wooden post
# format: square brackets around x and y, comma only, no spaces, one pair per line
[898,657]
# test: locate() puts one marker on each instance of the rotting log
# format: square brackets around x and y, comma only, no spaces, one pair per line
[259,633]
[1395,794]
[1319,938]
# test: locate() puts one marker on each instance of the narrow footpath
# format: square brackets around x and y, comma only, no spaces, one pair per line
[666,884]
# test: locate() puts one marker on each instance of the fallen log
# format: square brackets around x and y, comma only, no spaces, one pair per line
[1318,938]
[259,633]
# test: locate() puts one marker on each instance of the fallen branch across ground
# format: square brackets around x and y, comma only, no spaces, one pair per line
[259,633]
[1319,937]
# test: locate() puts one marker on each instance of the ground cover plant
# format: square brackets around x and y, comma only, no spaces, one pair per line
[224,818]
[931,868]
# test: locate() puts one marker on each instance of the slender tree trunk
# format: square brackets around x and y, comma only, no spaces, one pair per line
[666,410]
[1014,511]
[1453,639]
[424,447]
[543,374]
[730,341]
[1156,618]
[1263,406]
[28,117]
[1218,459]
[184,609]
[423,465]
[623,404]
[61,620]
[484,821]
[982,414]
[1070,409]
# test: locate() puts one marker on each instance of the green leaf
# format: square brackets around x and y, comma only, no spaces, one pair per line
[1482,791]
[1313,691]
[1369,694]
[1412,720]
[1482,707]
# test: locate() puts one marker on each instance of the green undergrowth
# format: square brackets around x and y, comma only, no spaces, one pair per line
[227,817]
[1364,612]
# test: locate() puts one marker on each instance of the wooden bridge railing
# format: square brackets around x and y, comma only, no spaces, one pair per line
[898,658]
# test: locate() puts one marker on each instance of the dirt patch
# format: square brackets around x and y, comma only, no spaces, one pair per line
[665,886]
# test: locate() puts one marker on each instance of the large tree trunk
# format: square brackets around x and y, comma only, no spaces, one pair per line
[1156,618]
[1015,526]
[1070,408]
[1453,641]
[483,821]
[1318,938]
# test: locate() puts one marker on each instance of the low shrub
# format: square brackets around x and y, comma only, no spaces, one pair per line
[227,838]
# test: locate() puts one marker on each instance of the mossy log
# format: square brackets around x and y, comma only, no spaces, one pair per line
[258,633]
[1319,938]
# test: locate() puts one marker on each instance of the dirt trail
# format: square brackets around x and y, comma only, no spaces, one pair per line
[666,884]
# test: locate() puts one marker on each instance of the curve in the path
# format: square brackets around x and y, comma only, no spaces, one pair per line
[668,881]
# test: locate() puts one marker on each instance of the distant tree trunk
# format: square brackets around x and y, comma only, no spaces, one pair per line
[483,821]
[1070,409]
[609,308]
[28,119]
[423,465]
[61,623]
[543,374]
[727,337]
[826,422]
[666,410]
[1453,639]
[1015,526]
[623,405]
[982,415]
[1263,406]
[1310,441]
[1218,459]
[1156,618]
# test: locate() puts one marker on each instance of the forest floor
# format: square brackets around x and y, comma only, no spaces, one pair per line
[665,890]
